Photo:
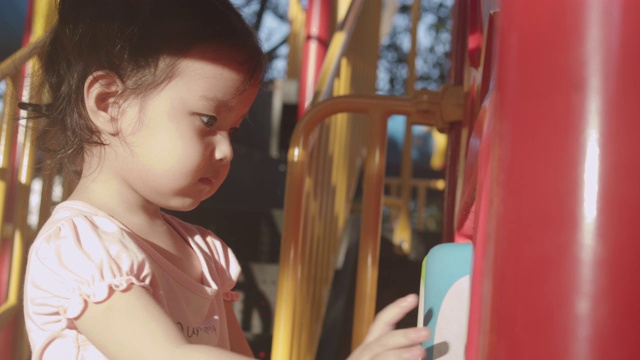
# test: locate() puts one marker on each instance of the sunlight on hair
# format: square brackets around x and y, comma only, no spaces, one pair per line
[35,198]
[34,202]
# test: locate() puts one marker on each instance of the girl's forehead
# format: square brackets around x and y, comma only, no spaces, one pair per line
[228,58]
[216,80]
[204,65]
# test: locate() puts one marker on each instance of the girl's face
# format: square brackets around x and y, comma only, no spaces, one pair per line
[174,149]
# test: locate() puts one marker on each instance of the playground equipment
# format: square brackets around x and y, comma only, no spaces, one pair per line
[541,178]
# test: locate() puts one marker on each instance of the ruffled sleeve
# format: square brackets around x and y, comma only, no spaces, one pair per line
[79,260]
[223,267]
[227,265]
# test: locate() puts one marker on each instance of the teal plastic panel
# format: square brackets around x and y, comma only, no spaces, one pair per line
[444,299]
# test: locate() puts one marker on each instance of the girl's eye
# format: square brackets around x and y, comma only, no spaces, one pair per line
[209,120]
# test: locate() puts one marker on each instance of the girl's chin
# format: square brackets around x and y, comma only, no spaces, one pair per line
[184,203]
[190,198]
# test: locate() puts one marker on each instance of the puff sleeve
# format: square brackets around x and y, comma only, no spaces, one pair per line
[224,268]
[227,266]
[79,260]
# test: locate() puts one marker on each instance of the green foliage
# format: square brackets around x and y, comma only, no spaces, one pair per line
[269,18]
[433,46]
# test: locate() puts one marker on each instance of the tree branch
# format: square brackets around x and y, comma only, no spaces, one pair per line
[260,15]
[272,52]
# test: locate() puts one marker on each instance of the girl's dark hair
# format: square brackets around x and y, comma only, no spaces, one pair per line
[139,41]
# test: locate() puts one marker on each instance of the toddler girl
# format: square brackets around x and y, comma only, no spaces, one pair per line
[144,95]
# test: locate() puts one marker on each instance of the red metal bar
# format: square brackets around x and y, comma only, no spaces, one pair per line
[474,40]
[562,192]
[314,49]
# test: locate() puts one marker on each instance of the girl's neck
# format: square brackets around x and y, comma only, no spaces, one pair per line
[135,212]
[140,216]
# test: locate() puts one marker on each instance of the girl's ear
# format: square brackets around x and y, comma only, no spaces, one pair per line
[101,92]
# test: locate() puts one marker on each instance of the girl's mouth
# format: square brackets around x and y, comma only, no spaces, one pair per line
[206,181]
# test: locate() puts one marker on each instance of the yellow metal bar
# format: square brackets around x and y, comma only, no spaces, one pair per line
[324,195]
[13,64]
[13,296]
[300,341]
[297,18]
[301,291]
[402,231]
[292,264]
[337,47]
[392,201]
[422,202]
[370,229]
[435,184]
[9,109]
[43,17]
[327,226]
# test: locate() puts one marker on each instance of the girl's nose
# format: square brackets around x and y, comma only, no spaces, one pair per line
[223,151]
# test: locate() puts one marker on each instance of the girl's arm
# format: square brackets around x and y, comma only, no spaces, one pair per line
[237,340]
[131,325]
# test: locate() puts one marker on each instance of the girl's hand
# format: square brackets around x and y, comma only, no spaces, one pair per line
[385,342]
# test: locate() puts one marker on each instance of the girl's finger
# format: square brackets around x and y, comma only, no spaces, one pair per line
[387,319]
[411,353]
[395,340]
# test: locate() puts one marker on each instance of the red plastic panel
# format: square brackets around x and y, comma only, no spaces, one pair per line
[563,192]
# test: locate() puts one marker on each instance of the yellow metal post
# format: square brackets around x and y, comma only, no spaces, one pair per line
[370,228]
[402,231]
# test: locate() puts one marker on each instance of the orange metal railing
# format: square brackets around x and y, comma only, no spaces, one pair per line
[295,271]
[334,165]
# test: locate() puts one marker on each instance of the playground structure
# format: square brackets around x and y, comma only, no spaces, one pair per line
[541,178]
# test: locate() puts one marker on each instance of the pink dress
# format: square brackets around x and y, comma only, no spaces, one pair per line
[82,254]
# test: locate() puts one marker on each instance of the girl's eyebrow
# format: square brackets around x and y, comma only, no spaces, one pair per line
[224,104]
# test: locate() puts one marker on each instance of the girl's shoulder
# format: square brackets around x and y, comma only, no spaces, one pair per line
[82,224]
[81,254]
[81,235]
[67,210]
